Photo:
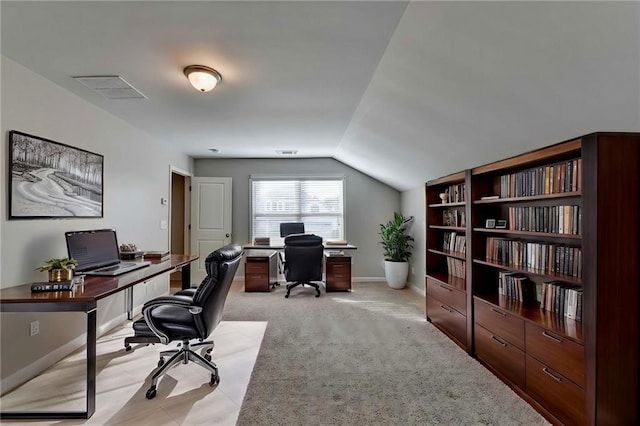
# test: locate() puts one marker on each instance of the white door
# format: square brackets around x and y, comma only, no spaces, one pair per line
[210,219]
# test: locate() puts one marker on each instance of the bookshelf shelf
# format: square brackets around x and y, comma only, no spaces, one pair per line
[450,280]
[594,357]
[530,271]
[449,253]
[540,235]
[573,194]
[531,312]
[445,205]
[448,228]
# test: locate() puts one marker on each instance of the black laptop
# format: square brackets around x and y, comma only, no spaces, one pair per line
[97,253]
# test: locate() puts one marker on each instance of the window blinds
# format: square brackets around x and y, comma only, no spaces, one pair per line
[317,202]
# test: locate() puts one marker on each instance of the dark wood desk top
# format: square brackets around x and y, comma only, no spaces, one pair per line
[96,288]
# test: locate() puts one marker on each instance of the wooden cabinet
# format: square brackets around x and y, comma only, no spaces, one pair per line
[338,273]
[448,302]
[260,270]
[551,285]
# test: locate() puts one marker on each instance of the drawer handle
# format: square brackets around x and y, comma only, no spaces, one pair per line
[553,376]
[445,287]
[445,308]
[499,341]
[498,312]
[555,339]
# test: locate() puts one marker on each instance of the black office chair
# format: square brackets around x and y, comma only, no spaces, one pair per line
[194,314]
[303,261]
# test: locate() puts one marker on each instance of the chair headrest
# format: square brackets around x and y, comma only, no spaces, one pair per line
[303,240]
[224,254]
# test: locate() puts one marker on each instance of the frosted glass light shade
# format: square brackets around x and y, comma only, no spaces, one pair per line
[202,78]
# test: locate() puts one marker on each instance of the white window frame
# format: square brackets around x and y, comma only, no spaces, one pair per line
[253,178]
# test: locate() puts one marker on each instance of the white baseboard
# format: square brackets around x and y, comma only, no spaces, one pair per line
[416,289]
[368,279]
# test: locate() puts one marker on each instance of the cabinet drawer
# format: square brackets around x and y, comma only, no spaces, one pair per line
[552,390]
[256,268]
[256,282]
[501,355]
[452,297]
[564,356]
[447,319]
[508,327]
[339,268]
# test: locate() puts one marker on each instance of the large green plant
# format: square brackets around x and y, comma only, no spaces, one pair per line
[395,240]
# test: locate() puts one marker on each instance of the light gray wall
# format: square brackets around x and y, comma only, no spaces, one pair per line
[414,204]
[368,202]
[136,177]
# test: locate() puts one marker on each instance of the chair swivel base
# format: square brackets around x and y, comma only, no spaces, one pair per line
[314,285]
[184,354]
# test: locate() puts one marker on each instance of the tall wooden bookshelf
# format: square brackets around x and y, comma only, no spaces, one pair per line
[448,302]
[552,295]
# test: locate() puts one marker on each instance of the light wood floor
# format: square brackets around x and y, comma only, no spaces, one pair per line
[184,396]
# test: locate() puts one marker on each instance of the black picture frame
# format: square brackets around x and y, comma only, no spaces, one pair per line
[501,224]
[52,180]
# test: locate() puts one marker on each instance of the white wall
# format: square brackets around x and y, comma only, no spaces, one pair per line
[368,202]
[413,204]
[136,176]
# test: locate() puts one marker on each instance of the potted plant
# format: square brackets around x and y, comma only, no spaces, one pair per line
[397,249]
[59,269]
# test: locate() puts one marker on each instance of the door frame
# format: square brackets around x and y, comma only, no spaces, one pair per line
[187,205]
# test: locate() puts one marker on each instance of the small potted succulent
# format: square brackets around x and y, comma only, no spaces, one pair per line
[59,269]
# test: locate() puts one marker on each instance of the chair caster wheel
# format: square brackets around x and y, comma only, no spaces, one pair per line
[286,296]
[215,379]
[318,295]
[207,357]
[127,348]
[151,393]
[161,362]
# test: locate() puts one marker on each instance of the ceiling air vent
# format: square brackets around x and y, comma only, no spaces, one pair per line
[287,152]
[110,86]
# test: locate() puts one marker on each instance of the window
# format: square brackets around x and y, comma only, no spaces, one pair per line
[317,202]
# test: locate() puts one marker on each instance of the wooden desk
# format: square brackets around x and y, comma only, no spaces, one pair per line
[260,270]
[251,246]
[84,299]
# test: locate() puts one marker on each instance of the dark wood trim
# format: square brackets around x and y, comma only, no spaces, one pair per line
[449,179]
[528,233]
[529,271]
[573,194]
[523,160]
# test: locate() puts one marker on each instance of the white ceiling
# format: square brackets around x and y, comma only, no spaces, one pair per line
[404,92]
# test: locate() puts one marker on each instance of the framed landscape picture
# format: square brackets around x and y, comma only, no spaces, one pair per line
[48,179]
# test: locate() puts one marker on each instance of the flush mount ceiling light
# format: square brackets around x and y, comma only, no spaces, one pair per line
[204,79]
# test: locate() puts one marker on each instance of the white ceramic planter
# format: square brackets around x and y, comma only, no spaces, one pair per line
[396,273]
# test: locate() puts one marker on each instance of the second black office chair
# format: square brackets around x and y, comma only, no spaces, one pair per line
[303,261]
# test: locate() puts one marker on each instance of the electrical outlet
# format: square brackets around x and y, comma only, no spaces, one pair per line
[164,224]
[35,328]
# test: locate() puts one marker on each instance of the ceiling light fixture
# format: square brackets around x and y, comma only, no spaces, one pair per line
[204,79]
[214,150]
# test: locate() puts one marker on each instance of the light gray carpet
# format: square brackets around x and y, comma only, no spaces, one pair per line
[367,357]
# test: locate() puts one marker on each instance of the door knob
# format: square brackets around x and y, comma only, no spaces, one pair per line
[227,235]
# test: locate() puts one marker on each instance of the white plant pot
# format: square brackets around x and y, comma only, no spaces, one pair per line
[396,273]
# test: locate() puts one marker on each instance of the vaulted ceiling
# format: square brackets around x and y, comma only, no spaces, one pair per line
[403,91]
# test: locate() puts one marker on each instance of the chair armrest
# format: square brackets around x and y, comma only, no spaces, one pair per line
[175,300]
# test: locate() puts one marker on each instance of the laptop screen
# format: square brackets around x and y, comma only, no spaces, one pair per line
[93,249]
